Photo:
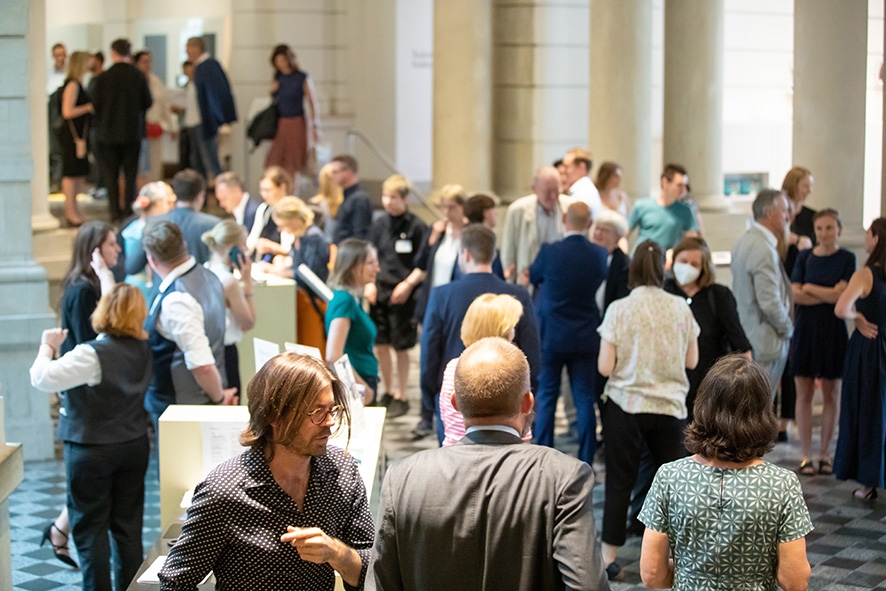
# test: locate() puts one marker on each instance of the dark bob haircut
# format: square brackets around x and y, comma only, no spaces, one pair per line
[734,420]
[647,265]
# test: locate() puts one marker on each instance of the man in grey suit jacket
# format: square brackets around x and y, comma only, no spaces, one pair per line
[489,512]
[761,286]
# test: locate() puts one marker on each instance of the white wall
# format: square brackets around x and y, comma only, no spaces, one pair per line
[414,94]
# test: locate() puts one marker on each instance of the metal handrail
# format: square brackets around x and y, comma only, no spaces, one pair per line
[354,133]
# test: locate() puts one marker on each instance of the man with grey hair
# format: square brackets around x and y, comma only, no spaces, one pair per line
[532,221]
[761,286]
[538,535]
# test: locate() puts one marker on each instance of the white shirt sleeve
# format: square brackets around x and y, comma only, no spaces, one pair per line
[78,366]
[181,321]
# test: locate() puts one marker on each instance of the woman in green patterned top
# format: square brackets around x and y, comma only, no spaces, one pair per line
[730,520]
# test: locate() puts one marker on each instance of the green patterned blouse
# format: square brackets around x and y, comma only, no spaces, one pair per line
[724,526]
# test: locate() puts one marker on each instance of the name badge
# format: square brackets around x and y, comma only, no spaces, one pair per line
[403,246]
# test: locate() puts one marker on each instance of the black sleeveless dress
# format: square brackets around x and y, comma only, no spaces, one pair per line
[71,165]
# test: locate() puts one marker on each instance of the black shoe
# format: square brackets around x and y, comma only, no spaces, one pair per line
[58,550]
[423,429]
[613,572]
[385,400]
[397,408]
[782,437]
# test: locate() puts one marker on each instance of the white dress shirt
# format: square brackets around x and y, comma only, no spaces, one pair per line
[240,210]
[585,190]
[262,216]
[181,320]
[78,366]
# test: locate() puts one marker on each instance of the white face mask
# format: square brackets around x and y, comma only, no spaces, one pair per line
[685,273]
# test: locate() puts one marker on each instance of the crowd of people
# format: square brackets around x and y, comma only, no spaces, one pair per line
[692,382]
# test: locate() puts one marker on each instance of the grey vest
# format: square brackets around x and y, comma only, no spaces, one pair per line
[172,381]
[113,410]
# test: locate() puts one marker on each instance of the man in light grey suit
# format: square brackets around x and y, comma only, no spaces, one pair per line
[761,286]
[489,512]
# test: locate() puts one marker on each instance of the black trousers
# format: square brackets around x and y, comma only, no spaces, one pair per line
[106,491]
[625,432]
[113,157]
[232,368]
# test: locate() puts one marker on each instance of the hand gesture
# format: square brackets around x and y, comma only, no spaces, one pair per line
[523,278]
[245,264]
[370,293]
[804,243]
[98,262]
[512,268]
[867,328]
[401,293]
[54,337]
[312,544]
[229,397]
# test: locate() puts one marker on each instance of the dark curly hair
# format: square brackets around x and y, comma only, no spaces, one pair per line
[734,420]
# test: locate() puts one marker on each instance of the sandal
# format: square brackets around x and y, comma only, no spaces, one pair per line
[806,468]
[825,466]
[871,495]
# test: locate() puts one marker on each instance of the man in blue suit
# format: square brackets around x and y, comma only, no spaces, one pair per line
[215,104]
[441,328]
[567,275]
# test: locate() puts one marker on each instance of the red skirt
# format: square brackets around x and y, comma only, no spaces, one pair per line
[290,147]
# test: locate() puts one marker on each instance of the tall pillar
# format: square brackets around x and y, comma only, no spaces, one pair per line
[540,87]
[24,291]
[693,96]
[830,57]
[41,219]
[620,119]
[462,93]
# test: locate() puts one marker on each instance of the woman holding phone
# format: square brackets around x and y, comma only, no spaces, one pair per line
[227,244]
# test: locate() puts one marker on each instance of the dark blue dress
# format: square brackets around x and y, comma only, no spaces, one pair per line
[860,444]
[818,346]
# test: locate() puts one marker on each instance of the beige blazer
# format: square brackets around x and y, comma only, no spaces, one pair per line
[519,243]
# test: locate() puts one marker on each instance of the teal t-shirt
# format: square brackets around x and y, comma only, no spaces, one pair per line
[361,336]
[665,225]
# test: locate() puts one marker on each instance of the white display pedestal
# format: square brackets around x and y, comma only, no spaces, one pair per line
[12,471]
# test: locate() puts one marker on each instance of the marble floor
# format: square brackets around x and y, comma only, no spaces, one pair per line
[847,550]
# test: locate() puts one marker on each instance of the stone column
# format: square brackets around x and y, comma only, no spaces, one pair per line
[693,95]
[24,292]
[41,219]
[462,93]
[620,115]
[540,87]
[830,57]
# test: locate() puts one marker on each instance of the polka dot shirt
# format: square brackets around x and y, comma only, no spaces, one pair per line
[239,512]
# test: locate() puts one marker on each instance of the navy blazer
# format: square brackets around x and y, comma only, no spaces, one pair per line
[617,280]
[567,275]
[441,330]
[249,213]
[214,97]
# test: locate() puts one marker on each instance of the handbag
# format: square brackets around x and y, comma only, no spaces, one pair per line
[264,125]
[79,142]
[153,130]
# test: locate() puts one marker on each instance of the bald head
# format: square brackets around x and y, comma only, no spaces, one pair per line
[546,186]
[491,379]
[578,217]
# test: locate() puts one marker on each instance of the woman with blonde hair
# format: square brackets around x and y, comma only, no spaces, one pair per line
[309,245]
[103,423]
[329,198]
[264,238]
[77,113]
[154,199]
[349,328]
[438,257]
[490,315]
[226,242]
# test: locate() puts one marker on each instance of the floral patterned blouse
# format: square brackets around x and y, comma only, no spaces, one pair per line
[724,526]
[651,330]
